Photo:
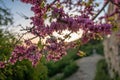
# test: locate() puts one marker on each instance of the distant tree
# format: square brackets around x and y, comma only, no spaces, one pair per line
[5,15]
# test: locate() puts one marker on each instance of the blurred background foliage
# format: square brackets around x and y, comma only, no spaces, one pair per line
[93,46]
[102,71]
[5,15]
[44,70]
[21,70]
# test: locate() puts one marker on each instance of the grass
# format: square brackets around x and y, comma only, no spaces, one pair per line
[102,71]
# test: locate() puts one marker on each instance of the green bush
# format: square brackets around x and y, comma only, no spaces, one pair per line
[57,67]
[102,71]
[59,78]
[24,71]
[40,72]
[52,69]
[72,54]
[21,70]
[93,44]
[116,77]
[70,69]
[99,49]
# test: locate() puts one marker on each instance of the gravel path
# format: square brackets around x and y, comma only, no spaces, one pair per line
[87,68]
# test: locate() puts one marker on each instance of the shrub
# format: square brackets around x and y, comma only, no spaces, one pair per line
[102,71]
[70,69]
[93,44]
[57,67]
[21,70]
[116,76]
[24,71]
[72,54]
[40,72]
[99,49]
[58,78]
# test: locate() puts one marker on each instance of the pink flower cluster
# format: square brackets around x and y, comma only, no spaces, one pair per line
[54,49]
[29,52]
[2,64]
[65,21]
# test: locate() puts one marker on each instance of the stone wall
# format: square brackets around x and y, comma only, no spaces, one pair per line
[112,49]
[112,54]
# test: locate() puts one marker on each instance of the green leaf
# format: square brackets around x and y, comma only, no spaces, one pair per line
[42,4]
[97,4]
[58,5]
[45,16]
[40,45]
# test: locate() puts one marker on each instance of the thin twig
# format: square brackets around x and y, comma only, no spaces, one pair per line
[19,38]
[100,10]
[67,36]
[33,38]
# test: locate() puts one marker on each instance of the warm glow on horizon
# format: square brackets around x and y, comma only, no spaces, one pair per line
[73,37]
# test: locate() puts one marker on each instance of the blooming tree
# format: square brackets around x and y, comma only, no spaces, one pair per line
[57,12]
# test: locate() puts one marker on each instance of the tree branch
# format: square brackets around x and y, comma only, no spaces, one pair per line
[100,10]
[19,39]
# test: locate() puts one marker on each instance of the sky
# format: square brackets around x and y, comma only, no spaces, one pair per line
[18,8]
